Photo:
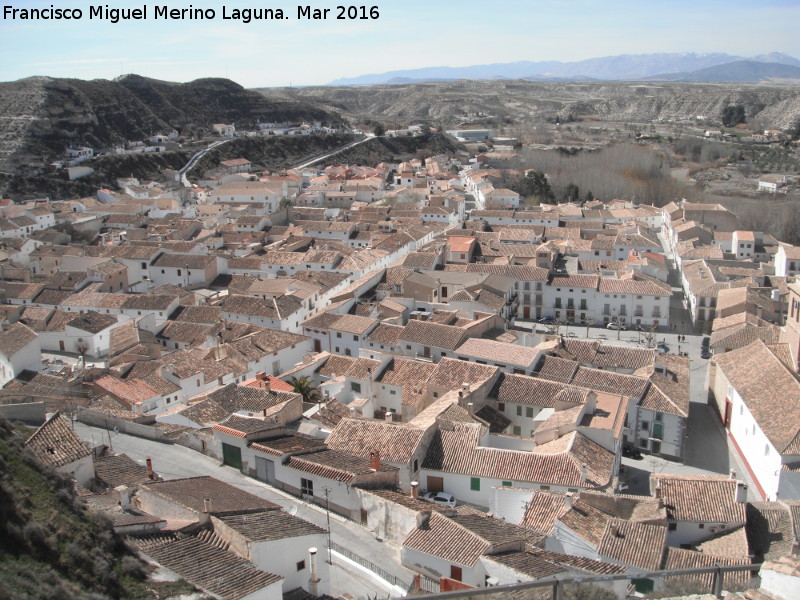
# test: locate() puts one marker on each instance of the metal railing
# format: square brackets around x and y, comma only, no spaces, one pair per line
[557,583]
[367,564]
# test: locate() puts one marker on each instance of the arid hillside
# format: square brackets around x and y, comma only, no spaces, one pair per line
[452,103]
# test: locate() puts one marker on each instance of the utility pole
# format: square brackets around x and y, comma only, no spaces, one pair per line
[328,517]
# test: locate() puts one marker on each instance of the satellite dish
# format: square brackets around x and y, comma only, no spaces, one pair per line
[293,510]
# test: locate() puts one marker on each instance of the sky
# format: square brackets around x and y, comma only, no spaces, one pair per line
[407,34]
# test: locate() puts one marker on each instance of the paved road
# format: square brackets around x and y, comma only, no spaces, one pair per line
[172,462]
[368,137]
[193,161]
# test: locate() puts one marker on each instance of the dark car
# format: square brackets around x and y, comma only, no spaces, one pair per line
[705,352]
[547,320]
[706,342]
[631,451]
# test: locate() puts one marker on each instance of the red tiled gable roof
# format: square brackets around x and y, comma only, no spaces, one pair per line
[703,498]
[225,499]
[522,389]
[55,444]
[339,466]
[451,374]
[756,373]
[433,334]
[447,540]
[458,451]
[542,510]
[270,525]
[15,337]
[637,544]
[578,562]
[133,391]
[396,443]
[203,561]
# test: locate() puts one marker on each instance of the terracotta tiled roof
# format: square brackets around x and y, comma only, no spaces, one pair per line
[458,451]
[578,562]
[120,469]
[542,510]
[557,369]
[606,381]
[447,540]
[499,352]
[756,374]
[586,521]
[385,334]
[769,530]
[636,544]
[15,337]
[433,334]
[132,391]
[702,498]
[331,464]
[601,355]
[679,558]
[270,525]
[208,565]
[522,389]
[450,374]
[396,443]
[225,499]
[55,444]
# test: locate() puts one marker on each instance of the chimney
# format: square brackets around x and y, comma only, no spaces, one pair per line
[615,530]
[123,495]
[423,518]
[207,505]
[389,417]
[569,500]
[733,474]
[261,375]
[313,583]
[584,473]
[657,491]
[465,388]
[741,492]
[471,408]
[375,460]
[150,474]
[414,489]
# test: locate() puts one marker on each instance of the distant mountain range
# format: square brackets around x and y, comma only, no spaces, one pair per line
[664,66]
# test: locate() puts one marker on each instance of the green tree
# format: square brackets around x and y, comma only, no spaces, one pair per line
[732,115]
[535,185]
[379,130]
[571,193]
[306,388]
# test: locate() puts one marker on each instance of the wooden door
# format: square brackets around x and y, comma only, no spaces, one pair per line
[435,484]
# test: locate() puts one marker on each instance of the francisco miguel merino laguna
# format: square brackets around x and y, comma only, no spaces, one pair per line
[115,15]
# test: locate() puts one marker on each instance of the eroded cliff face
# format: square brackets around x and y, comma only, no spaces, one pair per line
[451,102]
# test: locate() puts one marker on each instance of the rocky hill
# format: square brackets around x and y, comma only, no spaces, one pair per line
[51,546]
[40,116]
[451,103]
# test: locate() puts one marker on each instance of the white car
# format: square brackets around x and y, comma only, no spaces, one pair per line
[613,325]
[441,498]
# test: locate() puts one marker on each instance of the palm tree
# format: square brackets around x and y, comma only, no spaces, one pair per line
[306,388]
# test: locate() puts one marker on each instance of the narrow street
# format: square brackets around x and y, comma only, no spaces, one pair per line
[173,462]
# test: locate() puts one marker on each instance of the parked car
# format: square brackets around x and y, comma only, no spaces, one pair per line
[440,498]
[613,325]
[706,342]
[547,320]
[631,451]
[705,352]
[662,347]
